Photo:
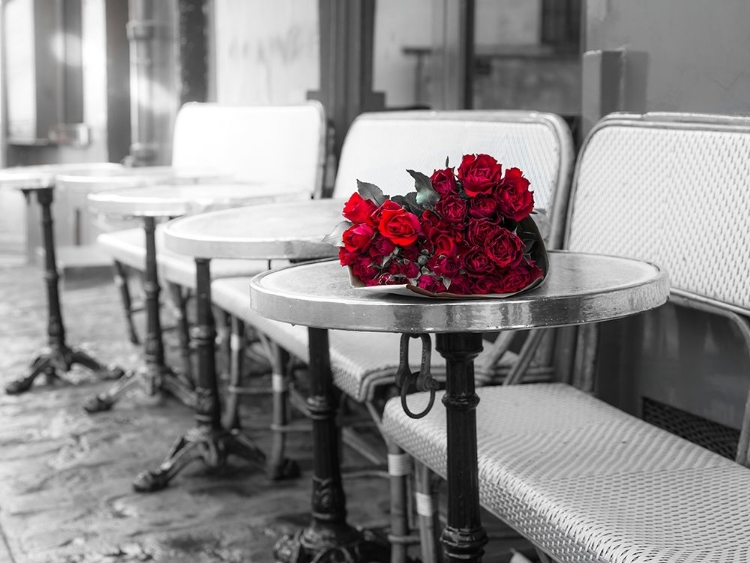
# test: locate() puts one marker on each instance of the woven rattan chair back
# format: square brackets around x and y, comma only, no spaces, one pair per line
[672,189]
[379,147]
[276,144]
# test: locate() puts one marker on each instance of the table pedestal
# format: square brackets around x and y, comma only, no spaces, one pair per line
[329,538]
[464,537]
[208,441]
[155,375]
[58,356]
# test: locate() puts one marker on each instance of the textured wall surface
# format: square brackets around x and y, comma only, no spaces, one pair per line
[684,55]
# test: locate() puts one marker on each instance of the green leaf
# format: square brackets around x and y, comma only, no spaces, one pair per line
[411,203]
[401,200]
[335,237]
[371,192]
[427,197]
[446,162]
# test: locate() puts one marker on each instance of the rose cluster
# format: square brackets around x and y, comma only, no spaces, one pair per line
[460,232]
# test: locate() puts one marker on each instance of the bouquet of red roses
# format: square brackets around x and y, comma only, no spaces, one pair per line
[464,233]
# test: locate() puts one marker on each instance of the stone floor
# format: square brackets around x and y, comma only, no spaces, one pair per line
[65,476]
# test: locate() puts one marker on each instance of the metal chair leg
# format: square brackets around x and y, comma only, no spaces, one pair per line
[121,281]
[237,352]
[183,330]
[279,466]
[427,513]
[399,468]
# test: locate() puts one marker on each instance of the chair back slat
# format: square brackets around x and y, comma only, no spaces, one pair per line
[379,147]
[275,144]
[673,190]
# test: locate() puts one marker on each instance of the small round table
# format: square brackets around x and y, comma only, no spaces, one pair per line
[289,231]
[170,200]
[58,356]
[580,288]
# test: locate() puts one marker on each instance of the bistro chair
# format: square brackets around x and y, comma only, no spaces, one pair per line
[378,148]
[263,144]
[582,480]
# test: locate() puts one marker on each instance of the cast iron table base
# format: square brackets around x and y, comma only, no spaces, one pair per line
[155,375]
[58,356]
[208,442]
[328,538]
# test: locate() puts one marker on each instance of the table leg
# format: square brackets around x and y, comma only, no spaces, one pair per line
[208,441]
[464,537]
[58,356]
[328,538]
[155,375]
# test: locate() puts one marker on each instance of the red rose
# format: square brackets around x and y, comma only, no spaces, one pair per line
[347,257]
[514,198]
[479,174]
[483,206]
[460,285]
[377,215]
[482,285]
[444,182]
[476,261]
[364,269]
[520,277]
[357,238]
[505,249]
[358,210]
[431,283]
[381,246]
[451,208]
[444,245]
[447,266]
[480,230]
[398,225]
[408,269]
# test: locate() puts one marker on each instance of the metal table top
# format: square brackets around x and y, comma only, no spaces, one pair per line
[164,200]
[291,230]
[134,177]
[45,175]
[580,288]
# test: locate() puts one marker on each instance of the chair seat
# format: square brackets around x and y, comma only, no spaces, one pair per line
[129,247]
[360,361]
[587,482]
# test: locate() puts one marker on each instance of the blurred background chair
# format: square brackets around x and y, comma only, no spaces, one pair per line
[282,145]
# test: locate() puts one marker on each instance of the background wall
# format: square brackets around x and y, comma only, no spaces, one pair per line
[684,55]
[266,53]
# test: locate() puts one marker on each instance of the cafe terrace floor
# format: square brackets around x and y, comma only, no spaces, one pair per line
[65,476]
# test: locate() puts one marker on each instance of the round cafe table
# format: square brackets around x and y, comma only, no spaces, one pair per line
[277,231]
[58,356]
[78,184]
[580,288]
[169,200]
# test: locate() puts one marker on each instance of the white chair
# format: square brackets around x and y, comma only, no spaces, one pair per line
[263,144]
[378,148]
[584,481]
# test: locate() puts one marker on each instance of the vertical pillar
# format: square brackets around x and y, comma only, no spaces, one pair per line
[346,63]
[193,51]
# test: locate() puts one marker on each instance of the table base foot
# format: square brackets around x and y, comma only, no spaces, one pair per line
[332,544]
[153,379]
[56,360]
[211,446]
